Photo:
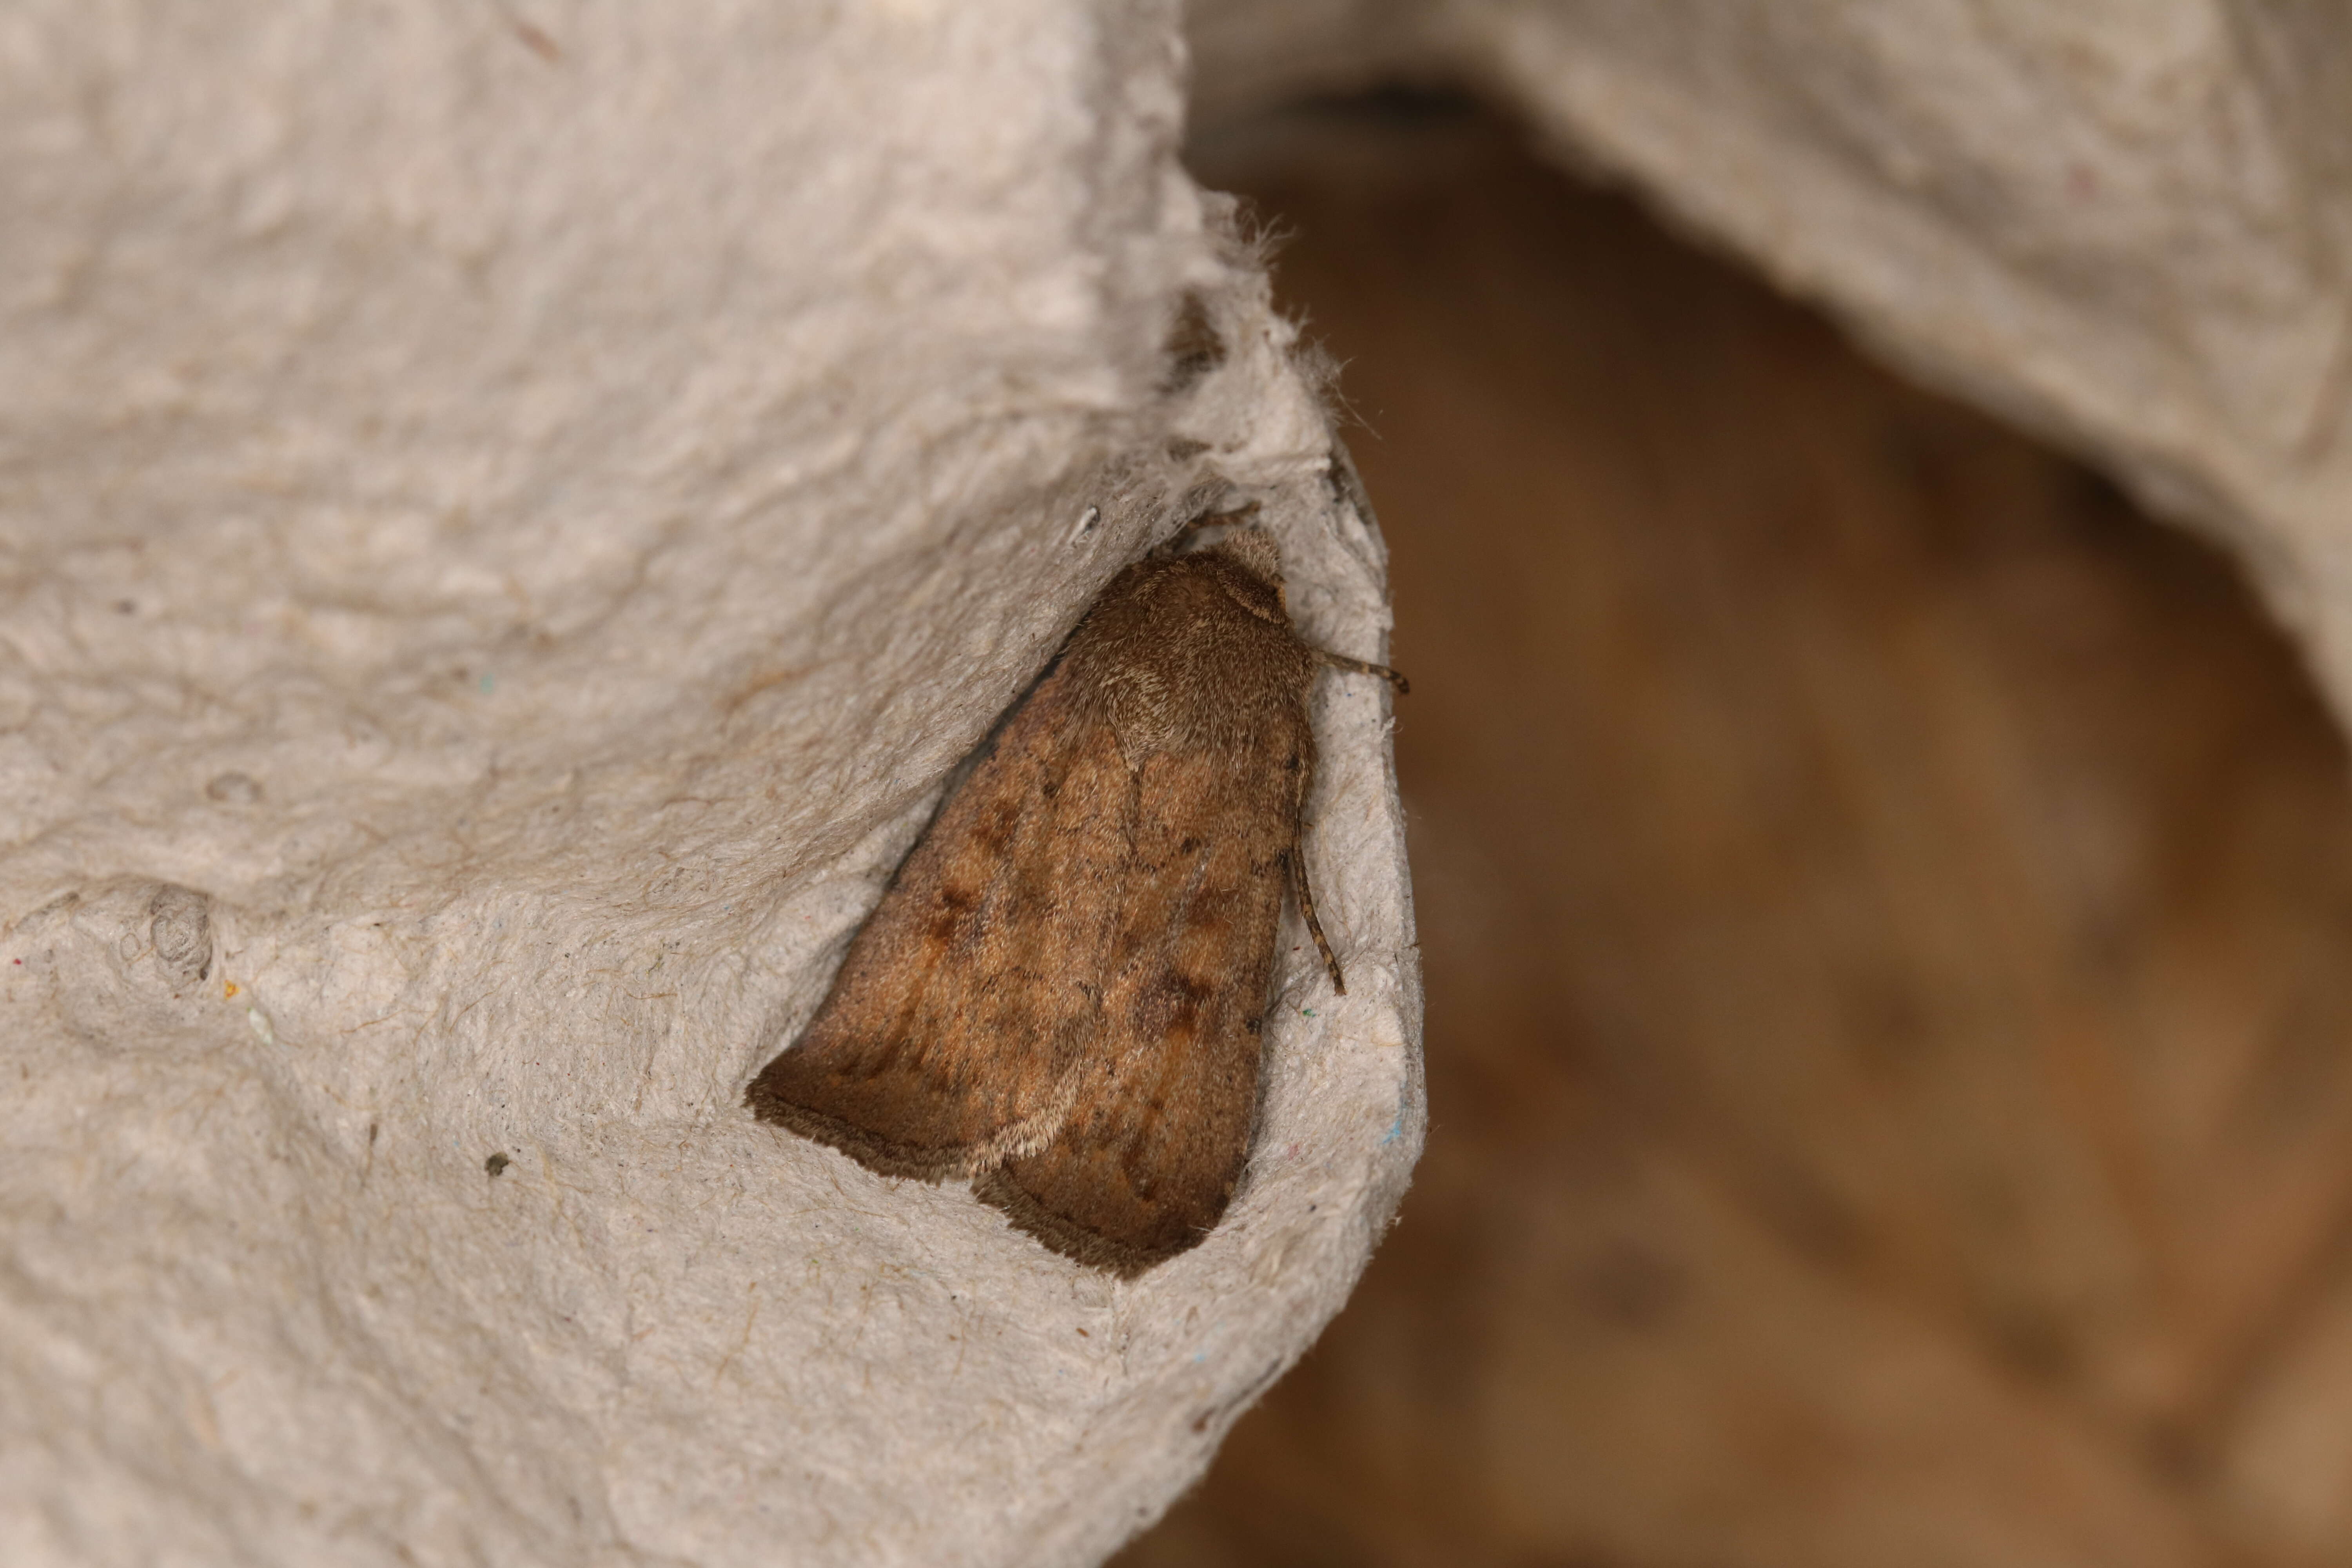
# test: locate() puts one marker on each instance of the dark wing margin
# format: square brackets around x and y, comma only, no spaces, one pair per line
[1159,1128]
[955,1032]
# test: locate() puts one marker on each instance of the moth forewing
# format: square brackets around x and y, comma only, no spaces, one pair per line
[1062,993]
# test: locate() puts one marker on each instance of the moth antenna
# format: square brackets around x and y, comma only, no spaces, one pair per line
[1363,667]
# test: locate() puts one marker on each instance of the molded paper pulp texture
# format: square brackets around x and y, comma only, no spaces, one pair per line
[2124,224]
[508,522]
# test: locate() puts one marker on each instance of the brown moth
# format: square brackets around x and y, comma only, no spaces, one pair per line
[1061,993]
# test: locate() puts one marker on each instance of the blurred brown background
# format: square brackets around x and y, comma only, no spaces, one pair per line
[1882,900]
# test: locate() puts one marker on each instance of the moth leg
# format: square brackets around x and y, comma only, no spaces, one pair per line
[1314,926]
[1299,885]
[1362,667]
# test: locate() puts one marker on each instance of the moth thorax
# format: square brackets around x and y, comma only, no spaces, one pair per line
[1253,550]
